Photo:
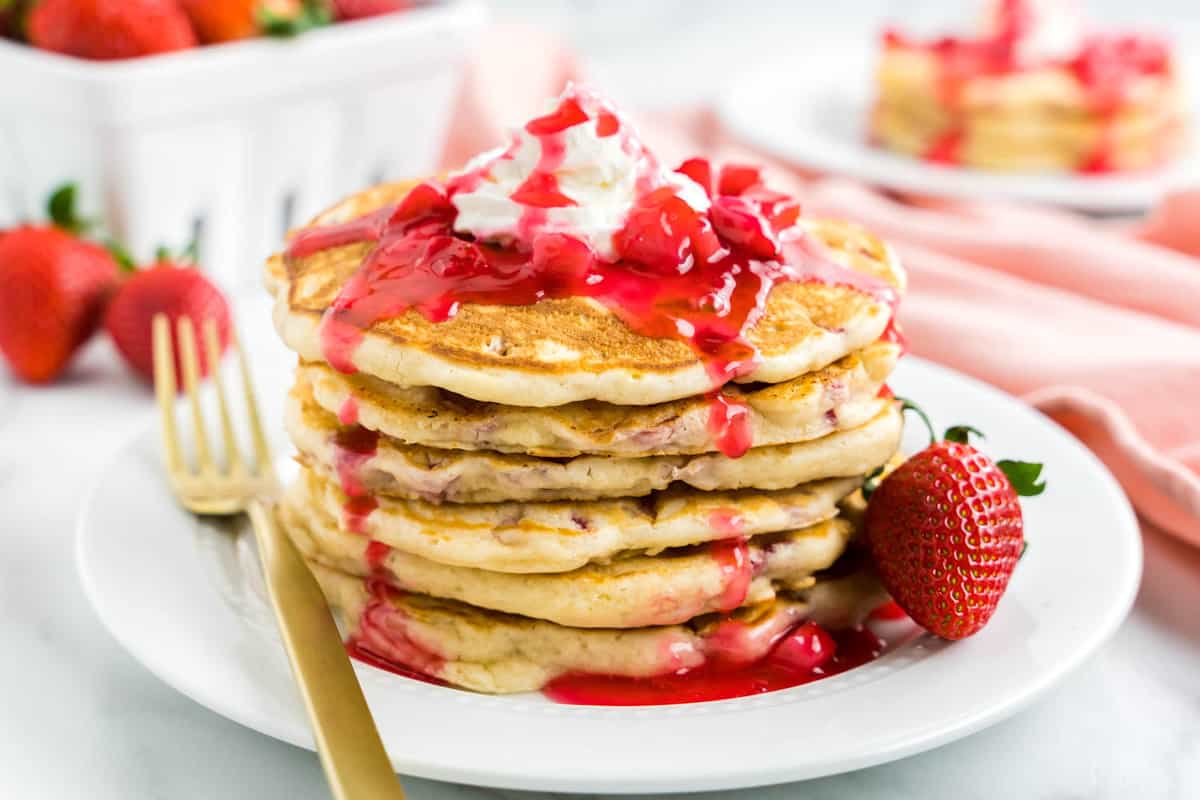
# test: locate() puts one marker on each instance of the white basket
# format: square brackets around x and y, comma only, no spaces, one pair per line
[234,143]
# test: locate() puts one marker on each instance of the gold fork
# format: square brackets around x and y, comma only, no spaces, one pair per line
[356,765]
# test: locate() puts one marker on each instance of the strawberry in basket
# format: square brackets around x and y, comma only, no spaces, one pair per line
[104,30]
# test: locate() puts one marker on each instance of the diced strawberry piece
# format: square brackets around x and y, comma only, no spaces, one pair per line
[567,115]
[449,257]
[665,233]
[781,210]
[561,261]
[540,190]
[737,178]
[607,124]
[699,170]
[424,200]
[805,649]
[739,222]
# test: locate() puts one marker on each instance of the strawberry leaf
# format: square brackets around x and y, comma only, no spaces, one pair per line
[1024,477]
[961,434]
[1024,547]
[62,211]
[909,405]
[120,255]
[872,481]
[315,14]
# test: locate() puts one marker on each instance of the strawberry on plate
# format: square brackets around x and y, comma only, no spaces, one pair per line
[945,530]
[171,287]
[53,290]
[109,29]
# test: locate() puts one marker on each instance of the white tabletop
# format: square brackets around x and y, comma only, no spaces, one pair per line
[80,718]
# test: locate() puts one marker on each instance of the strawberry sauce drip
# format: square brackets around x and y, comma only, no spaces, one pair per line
[316,238]
[682,275]
[375,554]
[729,424]
[348,412]
[382,641]
[354,447]
[733,559]
[804,656]
[947,148]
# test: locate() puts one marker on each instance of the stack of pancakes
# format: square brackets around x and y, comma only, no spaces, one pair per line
[1038,118]
[526,491]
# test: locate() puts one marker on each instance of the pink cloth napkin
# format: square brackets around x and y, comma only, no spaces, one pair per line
[1098,328]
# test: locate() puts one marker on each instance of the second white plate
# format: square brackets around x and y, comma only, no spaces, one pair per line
[187,601]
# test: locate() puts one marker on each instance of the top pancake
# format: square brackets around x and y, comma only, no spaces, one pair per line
[567,350]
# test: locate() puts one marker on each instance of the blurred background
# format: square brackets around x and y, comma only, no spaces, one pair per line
[692,46]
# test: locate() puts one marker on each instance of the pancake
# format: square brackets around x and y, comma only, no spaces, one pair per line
[842,395]
[627,592]
[487,651]
[563,536]
[561,351]
[480,476]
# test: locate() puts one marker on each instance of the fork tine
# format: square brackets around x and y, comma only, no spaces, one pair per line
[191,380]
[262,451]
[212,349]
[164,387]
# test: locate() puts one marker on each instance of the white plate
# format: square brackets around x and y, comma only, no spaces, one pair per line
[812,112]
[187,601]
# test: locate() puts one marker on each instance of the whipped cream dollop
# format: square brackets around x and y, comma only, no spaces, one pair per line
[578,170]
[1041,30]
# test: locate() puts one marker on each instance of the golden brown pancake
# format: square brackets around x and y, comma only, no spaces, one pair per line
[567,350]
[627,592]
[842,395]
[482,476]
[563,536]
[488,651]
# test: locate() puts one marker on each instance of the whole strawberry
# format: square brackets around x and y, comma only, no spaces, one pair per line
[172,288]
[53,289]
[945,530]
[109,29]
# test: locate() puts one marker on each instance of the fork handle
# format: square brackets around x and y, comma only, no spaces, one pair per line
[356,765]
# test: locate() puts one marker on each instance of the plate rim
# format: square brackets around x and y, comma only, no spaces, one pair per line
[737,777]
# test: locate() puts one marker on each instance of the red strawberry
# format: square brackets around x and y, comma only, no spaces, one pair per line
[53,289]
[357,9]
[945,530]
[110,29]
[173,289]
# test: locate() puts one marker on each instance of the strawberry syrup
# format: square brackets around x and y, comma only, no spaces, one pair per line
[729,424]
[353,447]
[804,656]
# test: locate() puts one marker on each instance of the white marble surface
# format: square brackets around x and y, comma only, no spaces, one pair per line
[79,718]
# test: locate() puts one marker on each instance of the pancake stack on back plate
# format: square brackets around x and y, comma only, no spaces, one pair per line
[517,492]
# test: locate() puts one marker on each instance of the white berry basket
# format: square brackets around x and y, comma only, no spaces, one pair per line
[231,144]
